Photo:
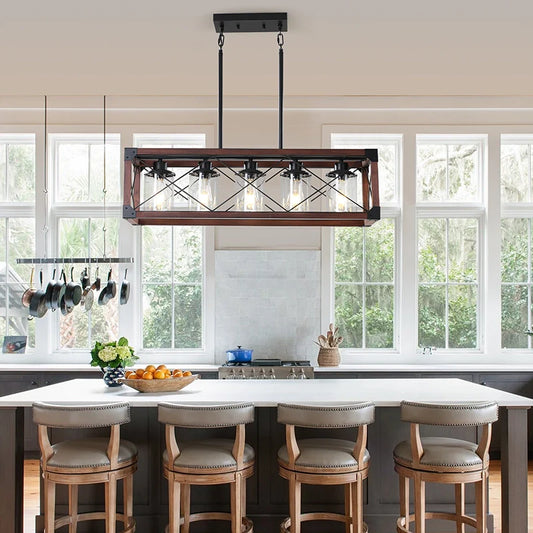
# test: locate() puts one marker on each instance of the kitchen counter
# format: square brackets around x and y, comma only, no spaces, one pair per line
[268,393]
[266,502]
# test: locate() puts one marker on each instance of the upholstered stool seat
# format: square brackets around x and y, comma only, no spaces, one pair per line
[326,454]
[86,454]
[211,461]
[208,454]
[440,451]
[86,461]
[325,461]
[444,460]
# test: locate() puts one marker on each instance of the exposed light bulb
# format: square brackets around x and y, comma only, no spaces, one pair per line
[250,199]
[161,199]
[340,196]
[202,183]
[204,192]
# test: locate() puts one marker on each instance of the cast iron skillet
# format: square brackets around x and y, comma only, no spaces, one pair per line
[50,290]
[125,289]
[109,291]
[73,291]
[58,291]
[38,301]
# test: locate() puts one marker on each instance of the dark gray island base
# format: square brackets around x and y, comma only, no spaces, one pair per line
[267,502]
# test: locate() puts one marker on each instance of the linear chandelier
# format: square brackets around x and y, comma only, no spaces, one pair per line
[267,187]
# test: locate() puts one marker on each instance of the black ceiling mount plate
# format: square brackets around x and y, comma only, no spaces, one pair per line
[249,22]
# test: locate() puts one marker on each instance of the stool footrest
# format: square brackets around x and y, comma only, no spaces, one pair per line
[403,527]
[305,517]
[98,515]
[247,526]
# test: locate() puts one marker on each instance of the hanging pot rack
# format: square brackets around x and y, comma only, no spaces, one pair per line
[316,180]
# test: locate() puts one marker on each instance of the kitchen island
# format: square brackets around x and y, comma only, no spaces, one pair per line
[267,492]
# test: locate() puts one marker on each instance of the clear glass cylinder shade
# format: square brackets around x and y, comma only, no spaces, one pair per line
[203,191]
[294,192]
[343,196]
[251,197]
[157,194]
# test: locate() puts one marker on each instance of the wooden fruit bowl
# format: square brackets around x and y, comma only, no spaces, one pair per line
[159,385]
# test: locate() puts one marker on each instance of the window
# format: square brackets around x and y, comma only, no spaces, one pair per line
[516,240]
[450,173]
[78,219]
[364,285]
[17,231]
[365,258]
[172,271]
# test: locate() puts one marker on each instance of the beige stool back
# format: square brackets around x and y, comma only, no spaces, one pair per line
[450,414]
[206,416]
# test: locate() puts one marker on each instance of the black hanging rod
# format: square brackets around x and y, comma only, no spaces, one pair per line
[73,260]
[249,22]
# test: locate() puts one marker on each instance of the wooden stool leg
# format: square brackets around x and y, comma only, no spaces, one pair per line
[173,505]
[73,508]
[348,509]
[460,506]
[481,504]
[111,505]
[357,504]
[186,506]
[420,504]
[404,499]
[295,504]
[127,489]
[49,505]
[236,500]
[243,498]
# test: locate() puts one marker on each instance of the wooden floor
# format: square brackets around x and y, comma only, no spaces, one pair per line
[31,495]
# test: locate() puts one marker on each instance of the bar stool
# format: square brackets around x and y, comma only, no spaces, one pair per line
[325,461]
[444,460]
[86,461]
[212,461]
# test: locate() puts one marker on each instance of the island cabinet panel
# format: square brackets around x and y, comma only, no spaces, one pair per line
[517,383]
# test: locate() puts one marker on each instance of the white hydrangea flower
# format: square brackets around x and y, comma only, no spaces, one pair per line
[123,352]
[109,353]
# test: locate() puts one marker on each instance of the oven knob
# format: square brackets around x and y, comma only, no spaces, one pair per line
[252,374]
[262,374]
[271,374]
[231,374]
[302,375]
[291,374]
[241,374]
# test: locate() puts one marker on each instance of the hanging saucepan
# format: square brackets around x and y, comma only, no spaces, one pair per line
[38,301]
[58,291]
[65,308]
[50,290]
[85,279]
[87,297]
[109,291]
[73,291]
[97,281]
[125,289]
[28,293]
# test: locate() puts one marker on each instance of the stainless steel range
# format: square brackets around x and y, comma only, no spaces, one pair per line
[267,369]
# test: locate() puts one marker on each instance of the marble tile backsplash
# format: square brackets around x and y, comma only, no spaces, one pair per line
[268,301]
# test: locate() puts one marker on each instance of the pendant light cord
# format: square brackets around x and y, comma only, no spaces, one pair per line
[220,83]
[45,178]
[104,190]
[281,42]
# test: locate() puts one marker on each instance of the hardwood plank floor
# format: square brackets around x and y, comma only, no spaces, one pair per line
[31,494]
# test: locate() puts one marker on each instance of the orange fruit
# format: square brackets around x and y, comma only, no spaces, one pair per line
[159,374]
[129,373]
[150,368]
[148,375]
[187,373]
[140,372]
[161,367]
[168,373]
[133,376]
[177,373]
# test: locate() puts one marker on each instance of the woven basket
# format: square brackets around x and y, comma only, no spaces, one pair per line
[159,385]
[329,357]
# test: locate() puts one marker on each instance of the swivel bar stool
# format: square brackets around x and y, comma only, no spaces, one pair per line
[212,461]
[86,461]
[444,460]
[325,461]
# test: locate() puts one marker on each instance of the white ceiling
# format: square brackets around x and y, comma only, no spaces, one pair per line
[335,47]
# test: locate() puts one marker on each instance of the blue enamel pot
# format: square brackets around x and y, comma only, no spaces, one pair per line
[239,355]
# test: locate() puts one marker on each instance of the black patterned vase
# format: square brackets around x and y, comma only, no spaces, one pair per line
[112,376]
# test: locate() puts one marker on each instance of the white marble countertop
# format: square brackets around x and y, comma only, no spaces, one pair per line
[267,393]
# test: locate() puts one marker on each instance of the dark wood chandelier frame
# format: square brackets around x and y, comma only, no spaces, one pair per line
[272,164]
[228,162]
